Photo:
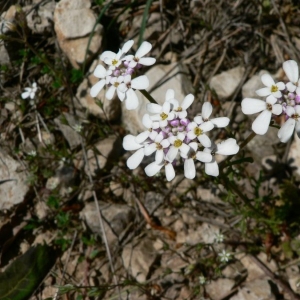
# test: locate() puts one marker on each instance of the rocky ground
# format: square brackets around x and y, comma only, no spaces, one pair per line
[62,160]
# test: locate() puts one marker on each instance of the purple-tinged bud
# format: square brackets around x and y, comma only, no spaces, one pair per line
[297,99]
[181,128]
[129,71]
[174,122]
[139,66]
[291,95]
[116,72]
[126,63]
[167,129]
[185,122]
[186,140]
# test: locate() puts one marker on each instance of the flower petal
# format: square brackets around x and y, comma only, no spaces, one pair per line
[212,168]
[262,122]
[140,138]
[135,159]
[172,153]
[252,106]
[187,101]
[170,173]
[204,140]
[277,109]
[267,80]
[286,131]
[149,149]
[291,70]
[147,61]
[126,47]
[140,83]
[100,71]
[132,100]
[153,169]
[228,147]
[189,168]
[97,88]
[143,49]
[154,108]
[206,110]
[129,143]
[263,92]
[220,122]
[110,92]
[203,156]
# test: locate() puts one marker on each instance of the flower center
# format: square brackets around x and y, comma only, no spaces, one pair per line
[163,116]
[274,89]
[179,109]
[198,131]
[158,146]
[116,84]
[269,106]
[295,117]
[178,143]
[114,62]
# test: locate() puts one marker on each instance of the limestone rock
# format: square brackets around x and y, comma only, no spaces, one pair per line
[138,258]
[219,288]
[252,85]
[116,217]
[161,78]
[73,36]
[226,83]
[11,192]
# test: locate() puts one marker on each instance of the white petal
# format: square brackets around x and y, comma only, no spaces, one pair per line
[165,143]
[267,80]
[271,99]
[100,71]
[228,147]
[149,149]
[252,106]
[153,169]
[121,95]
[140,138]
[191,135]
[154,108]
[132,100]
[129,143]
[204,157]
[97,88]
[220,122]
[172,153]
[25,95]
[290,111]
[187,101]
[206,110]
[159,156]
[189,168]
[127,46]
[170,94]
[135,159]
[277,109]
[143,49]
[184,148]
[147,61]
[170,173]
[263,92]
[290,68]
[291,87]
[277,94]
[147,122]
[193,146]
[198,120]
[262,122]
[110,92]
[286,131]
[212,168]
[280,85]
[140,83]
[107,54]
[204,140]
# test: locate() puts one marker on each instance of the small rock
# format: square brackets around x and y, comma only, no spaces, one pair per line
[235,271]
[227,82]
[116,218]
[219,288]
[73,36]
[138,258]
[259,289]
[102,157]
[252,85]
[11,192]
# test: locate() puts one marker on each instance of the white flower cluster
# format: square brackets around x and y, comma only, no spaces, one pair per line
[174,137]
[281,98]
[120,74]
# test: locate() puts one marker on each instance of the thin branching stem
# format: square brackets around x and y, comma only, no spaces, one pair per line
[148,96]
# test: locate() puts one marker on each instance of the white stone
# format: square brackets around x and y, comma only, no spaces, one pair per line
[226,83]
[219,288]
[12,192]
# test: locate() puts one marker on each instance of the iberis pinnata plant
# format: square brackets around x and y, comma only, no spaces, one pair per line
[171,136]
[281,99]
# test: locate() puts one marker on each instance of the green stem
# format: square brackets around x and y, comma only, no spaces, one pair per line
[247,140]
[148,96]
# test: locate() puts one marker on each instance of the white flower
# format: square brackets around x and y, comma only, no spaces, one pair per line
[77,127]
[227,147]
[138,57]
[115,83]
[102,73]
[32,153]
[129,143]
[219,237]
[189,164]
[158,145]
[198,131]
[177,145]
[163,114]
[115,59]
[271,88]
[180,110]
[287,129]
[202,280]
[128,87]
[154,168]
[224,256]
[291,70]
[150,132]
[30,91]
[252,106]
[205,114]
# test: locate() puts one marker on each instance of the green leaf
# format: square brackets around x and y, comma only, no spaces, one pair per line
[26,273]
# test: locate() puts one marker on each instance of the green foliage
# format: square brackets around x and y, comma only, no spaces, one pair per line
[24,275]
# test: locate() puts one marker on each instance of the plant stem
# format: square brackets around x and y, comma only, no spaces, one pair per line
[248,139]
[148,96]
